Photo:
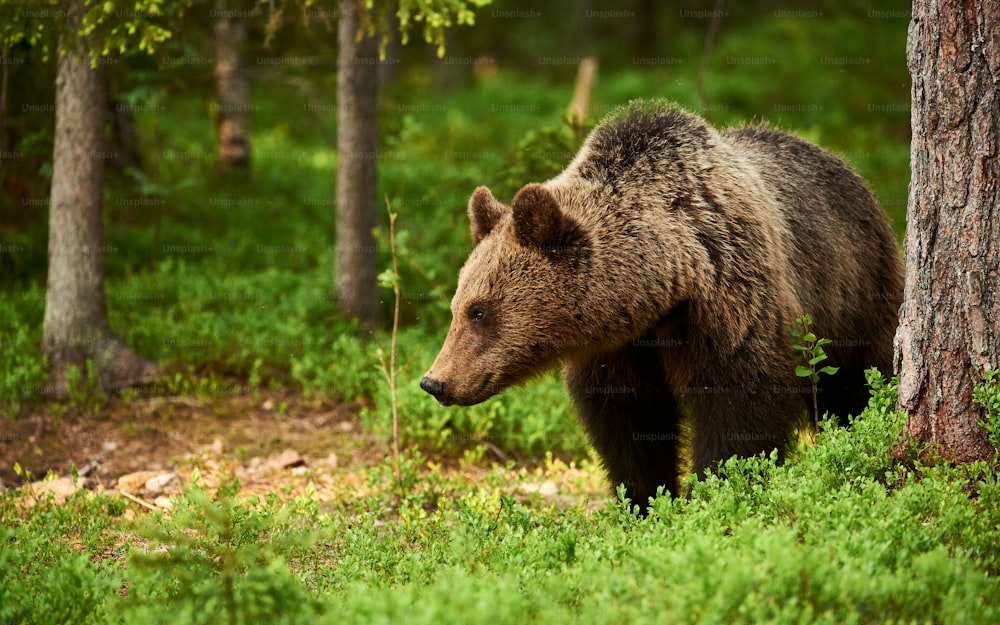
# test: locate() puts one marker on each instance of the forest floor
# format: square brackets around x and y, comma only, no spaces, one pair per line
[272,441]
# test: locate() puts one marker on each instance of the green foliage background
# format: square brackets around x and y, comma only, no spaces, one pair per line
[229,281]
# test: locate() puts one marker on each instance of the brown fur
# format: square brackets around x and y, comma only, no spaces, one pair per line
[664,267]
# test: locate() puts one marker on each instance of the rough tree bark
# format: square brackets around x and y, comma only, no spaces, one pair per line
[357,149]
[232,88]
[75,324]
[949,330]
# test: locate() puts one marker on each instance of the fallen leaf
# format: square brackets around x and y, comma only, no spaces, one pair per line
[136,481]
[287,458]
[60,488]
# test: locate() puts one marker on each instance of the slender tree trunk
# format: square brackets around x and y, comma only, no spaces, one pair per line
[648,17]
[949,330]
[124,140]
[233,89]
[75,326]
[357,149]
[586,73]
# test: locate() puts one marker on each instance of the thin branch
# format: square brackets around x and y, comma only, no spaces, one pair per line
[392,348]
[136,500]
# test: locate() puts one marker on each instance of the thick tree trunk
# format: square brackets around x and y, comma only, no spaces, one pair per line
[75,325]
[357,150]
[949,331]
[233,90]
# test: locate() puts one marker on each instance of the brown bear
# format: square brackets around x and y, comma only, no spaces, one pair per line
[664,268]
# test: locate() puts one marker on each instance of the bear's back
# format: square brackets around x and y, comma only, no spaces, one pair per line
[642,138]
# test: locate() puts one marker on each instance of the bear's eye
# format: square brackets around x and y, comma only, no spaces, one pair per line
[477,314]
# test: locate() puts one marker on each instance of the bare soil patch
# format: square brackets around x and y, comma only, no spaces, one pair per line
[273,441]
[165,433]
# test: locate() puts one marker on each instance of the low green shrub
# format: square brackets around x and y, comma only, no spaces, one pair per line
[58,561]
[853,529]
[217,560]
[43,581]
[21,361]
[987,395]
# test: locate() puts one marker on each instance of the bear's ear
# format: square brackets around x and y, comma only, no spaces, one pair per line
[484,213]
[537,218]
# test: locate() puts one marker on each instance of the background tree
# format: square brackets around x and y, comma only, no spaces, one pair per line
[76,327]
[949,330]
[232,85]
[364,30]
[357,149]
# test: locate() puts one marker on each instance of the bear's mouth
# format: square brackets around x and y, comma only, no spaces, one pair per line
[483,391]
[484,387]
[444,393]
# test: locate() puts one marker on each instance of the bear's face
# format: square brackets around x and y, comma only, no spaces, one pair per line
[514,312]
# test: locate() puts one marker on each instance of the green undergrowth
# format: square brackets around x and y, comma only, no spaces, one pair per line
[855,529]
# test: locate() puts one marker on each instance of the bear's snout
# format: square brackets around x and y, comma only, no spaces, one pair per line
[434,387]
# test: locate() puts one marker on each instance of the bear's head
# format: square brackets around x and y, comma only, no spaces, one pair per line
[516,311]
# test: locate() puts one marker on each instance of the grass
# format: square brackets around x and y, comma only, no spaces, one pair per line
[843,532]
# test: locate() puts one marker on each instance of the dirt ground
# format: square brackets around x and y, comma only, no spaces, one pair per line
[273,441]
[167,433]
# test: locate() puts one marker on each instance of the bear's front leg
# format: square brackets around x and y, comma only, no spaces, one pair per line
[631,418]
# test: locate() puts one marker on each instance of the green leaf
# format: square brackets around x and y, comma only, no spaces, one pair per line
[803,371]
[387,279]
[829,370]
[817,359]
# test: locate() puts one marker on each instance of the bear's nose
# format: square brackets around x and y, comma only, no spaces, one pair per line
[433,387]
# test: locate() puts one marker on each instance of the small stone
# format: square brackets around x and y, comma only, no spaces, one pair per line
[268,404]
[332,460]
[109,445]
[163,502]
[217,447]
